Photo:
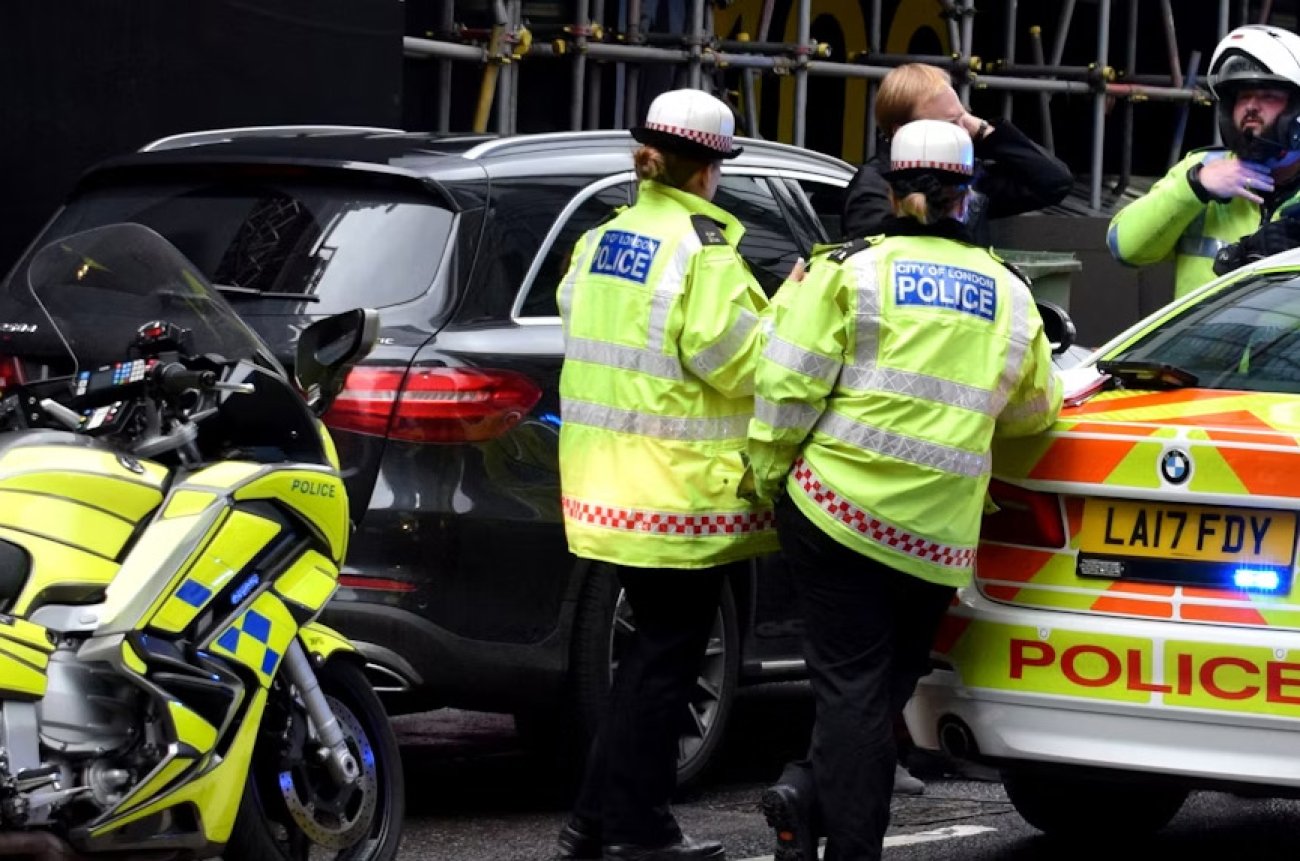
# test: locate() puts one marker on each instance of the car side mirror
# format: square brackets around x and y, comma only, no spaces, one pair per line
[1057,326]
[327,350]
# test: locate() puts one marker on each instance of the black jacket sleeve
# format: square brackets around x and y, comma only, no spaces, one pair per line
[1016,174]
[866,202]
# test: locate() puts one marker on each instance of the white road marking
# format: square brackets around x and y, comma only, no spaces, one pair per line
[949,833]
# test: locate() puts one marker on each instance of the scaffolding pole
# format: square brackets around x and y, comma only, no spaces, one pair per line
[585,46]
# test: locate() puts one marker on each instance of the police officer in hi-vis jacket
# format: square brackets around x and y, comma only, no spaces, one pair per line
[662,327]
[876,401]
[1222,207]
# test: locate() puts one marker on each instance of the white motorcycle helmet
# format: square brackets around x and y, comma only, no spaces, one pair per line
[690,122]
[1258,56]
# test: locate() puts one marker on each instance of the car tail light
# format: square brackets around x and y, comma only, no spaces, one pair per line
[11,373]
[376,584]
[433,404]
[1024,517]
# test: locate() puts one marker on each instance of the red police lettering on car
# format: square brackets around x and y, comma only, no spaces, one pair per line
[1279,681]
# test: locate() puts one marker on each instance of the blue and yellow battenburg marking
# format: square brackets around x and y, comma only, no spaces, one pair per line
[259,636]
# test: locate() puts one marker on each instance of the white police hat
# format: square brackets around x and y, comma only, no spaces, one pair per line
[689,122]
[932,146]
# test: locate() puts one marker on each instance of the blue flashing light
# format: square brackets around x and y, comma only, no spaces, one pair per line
[1257,579]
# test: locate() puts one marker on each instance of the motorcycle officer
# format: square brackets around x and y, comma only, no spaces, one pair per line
[1222,206]
[662,325]
[876,402]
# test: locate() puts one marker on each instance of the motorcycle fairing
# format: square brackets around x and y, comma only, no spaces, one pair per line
[24,654]
[72,508]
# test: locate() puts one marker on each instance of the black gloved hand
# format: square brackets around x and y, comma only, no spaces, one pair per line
[1279,235]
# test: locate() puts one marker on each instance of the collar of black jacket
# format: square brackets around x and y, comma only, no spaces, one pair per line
[944,228]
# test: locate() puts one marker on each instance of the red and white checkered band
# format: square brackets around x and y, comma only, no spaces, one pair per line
[664,523]
[712,140]
[876,529]
[951,166]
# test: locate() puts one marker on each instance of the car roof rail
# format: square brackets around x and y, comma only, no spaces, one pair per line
[502,145]
[209,136]
[522,143]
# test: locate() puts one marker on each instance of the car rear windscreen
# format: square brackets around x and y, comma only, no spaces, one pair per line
[346,244]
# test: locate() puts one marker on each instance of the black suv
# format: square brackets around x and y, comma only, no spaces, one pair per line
[459,588]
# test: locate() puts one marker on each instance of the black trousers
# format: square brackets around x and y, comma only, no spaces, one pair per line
[867,635]
[632,767]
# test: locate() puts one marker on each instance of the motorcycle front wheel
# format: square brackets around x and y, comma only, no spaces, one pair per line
[292,810]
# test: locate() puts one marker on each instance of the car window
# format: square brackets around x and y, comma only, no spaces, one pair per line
[769,244]
[827,202]
[594,206]
[1245,337]
[347,244]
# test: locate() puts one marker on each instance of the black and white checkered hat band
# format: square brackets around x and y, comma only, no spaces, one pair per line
[712,140]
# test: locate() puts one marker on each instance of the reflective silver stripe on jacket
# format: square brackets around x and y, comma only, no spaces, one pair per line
[570,278]
[866,272]
[795,358]
[690,525]
[726,347]
[917,385]
[1019,335]
[1033,408]
[941,457]
[667,288]
[792,416]
[622,356]
[875,528]
[1194,242]
[649,424]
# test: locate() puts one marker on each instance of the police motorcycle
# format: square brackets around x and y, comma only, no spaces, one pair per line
[172,521]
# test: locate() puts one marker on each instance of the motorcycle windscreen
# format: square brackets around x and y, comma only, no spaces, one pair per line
[98,288]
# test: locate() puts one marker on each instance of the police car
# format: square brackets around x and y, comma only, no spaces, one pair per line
[1133,629]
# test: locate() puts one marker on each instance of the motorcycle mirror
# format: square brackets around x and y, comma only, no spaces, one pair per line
[1057,326]
[327,350]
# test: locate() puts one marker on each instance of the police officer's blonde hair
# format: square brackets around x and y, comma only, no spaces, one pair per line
[905,89]
[669,168]
[938,200]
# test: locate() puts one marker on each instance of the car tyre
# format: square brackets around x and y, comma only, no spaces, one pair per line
[1084,807]
[603,623]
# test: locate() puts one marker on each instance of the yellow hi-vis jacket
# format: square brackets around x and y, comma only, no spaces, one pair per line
[662,321]
[880,390]
[1171,219]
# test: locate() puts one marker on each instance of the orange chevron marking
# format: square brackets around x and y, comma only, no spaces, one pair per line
[1084,460]
[1001,593]
[1161,589]
[1009,563]
[1114,429]
[1149,399]
[1232,615]
[1234,419]
[1133,607]
[1265,473]
[1216,435]
[950,631]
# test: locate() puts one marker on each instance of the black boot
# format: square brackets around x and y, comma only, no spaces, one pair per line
[685,849]
[789,808]
[578,840]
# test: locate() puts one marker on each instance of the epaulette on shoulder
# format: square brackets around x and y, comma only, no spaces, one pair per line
[848,249]
[709,231]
